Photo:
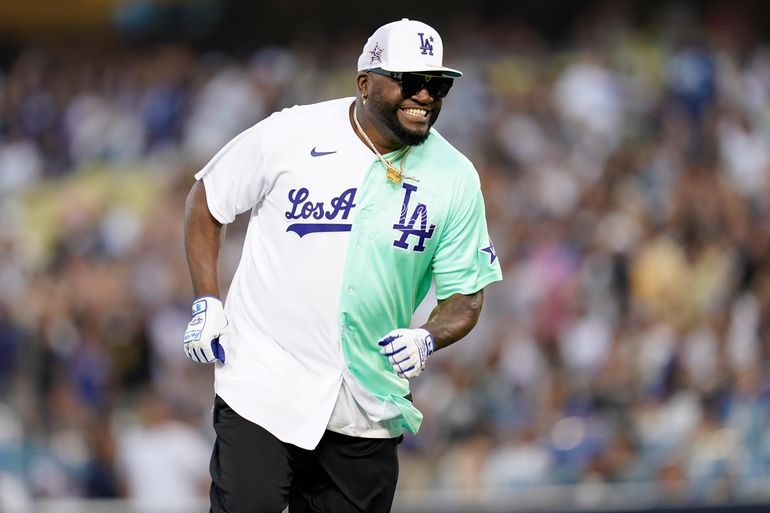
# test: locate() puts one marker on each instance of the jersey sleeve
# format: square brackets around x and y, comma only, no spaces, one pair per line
[236,178]
[465,260]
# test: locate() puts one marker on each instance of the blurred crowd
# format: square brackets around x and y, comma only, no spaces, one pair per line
[627,181]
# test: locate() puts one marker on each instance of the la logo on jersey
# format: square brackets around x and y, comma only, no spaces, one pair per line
[416,226]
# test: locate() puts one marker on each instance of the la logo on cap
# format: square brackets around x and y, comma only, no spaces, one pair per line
[426,44]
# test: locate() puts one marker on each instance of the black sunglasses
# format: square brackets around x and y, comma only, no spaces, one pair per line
[413,83]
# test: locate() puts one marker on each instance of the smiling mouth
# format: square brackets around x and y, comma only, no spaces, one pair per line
[419,114]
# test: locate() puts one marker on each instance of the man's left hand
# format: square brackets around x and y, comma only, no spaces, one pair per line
[407,350]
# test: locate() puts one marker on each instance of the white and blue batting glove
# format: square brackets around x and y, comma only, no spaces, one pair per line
[407,350]
[206,335]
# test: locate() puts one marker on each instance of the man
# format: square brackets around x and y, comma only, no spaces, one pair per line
[356,205]
[162,461]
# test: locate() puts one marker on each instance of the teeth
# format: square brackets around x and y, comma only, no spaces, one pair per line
[416,112]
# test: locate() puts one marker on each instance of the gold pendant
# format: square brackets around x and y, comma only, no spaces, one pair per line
[394,175]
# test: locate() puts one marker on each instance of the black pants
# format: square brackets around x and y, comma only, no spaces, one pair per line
[254,472]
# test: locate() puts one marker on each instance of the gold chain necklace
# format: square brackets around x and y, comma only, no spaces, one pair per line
[393,174]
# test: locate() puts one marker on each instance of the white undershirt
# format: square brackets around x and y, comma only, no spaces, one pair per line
[348,418]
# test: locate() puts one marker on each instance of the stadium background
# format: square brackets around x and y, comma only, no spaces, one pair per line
[624,152]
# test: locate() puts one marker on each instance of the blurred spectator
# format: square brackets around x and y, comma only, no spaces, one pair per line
[520,461]
[163,461]
[21,164]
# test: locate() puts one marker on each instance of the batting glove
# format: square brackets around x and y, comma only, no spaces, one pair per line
[407,350]
[206,334]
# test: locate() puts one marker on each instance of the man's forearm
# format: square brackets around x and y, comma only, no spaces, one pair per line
[203,236]
[454,317]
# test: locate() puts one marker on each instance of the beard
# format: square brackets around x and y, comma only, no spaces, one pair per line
[388,114]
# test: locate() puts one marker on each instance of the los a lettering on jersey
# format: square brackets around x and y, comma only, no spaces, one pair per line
[335,256]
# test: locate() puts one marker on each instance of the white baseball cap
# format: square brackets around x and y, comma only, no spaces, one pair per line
[405,46]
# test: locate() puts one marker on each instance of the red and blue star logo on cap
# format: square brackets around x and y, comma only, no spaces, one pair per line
[376,53]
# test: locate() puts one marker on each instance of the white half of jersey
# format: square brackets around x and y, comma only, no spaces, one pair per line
[285,369]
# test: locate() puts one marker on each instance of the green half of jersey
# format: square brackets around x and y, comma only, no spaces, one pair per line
[430,227]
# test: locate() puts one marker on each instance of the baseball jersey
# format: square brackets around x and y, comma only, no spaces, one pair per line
[334,257]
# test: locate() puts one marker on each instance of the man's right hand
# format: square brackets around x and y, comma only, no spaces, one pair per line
[207,333]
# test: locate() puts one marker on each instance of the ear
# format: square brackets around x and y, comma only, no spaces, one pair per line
[362,84]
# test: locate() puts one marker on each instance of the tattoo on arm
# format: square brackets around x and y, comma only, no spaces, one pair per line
[454,317]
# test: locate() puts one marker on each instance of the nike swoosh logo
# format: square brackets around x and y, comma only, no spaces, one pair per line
[315,153]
